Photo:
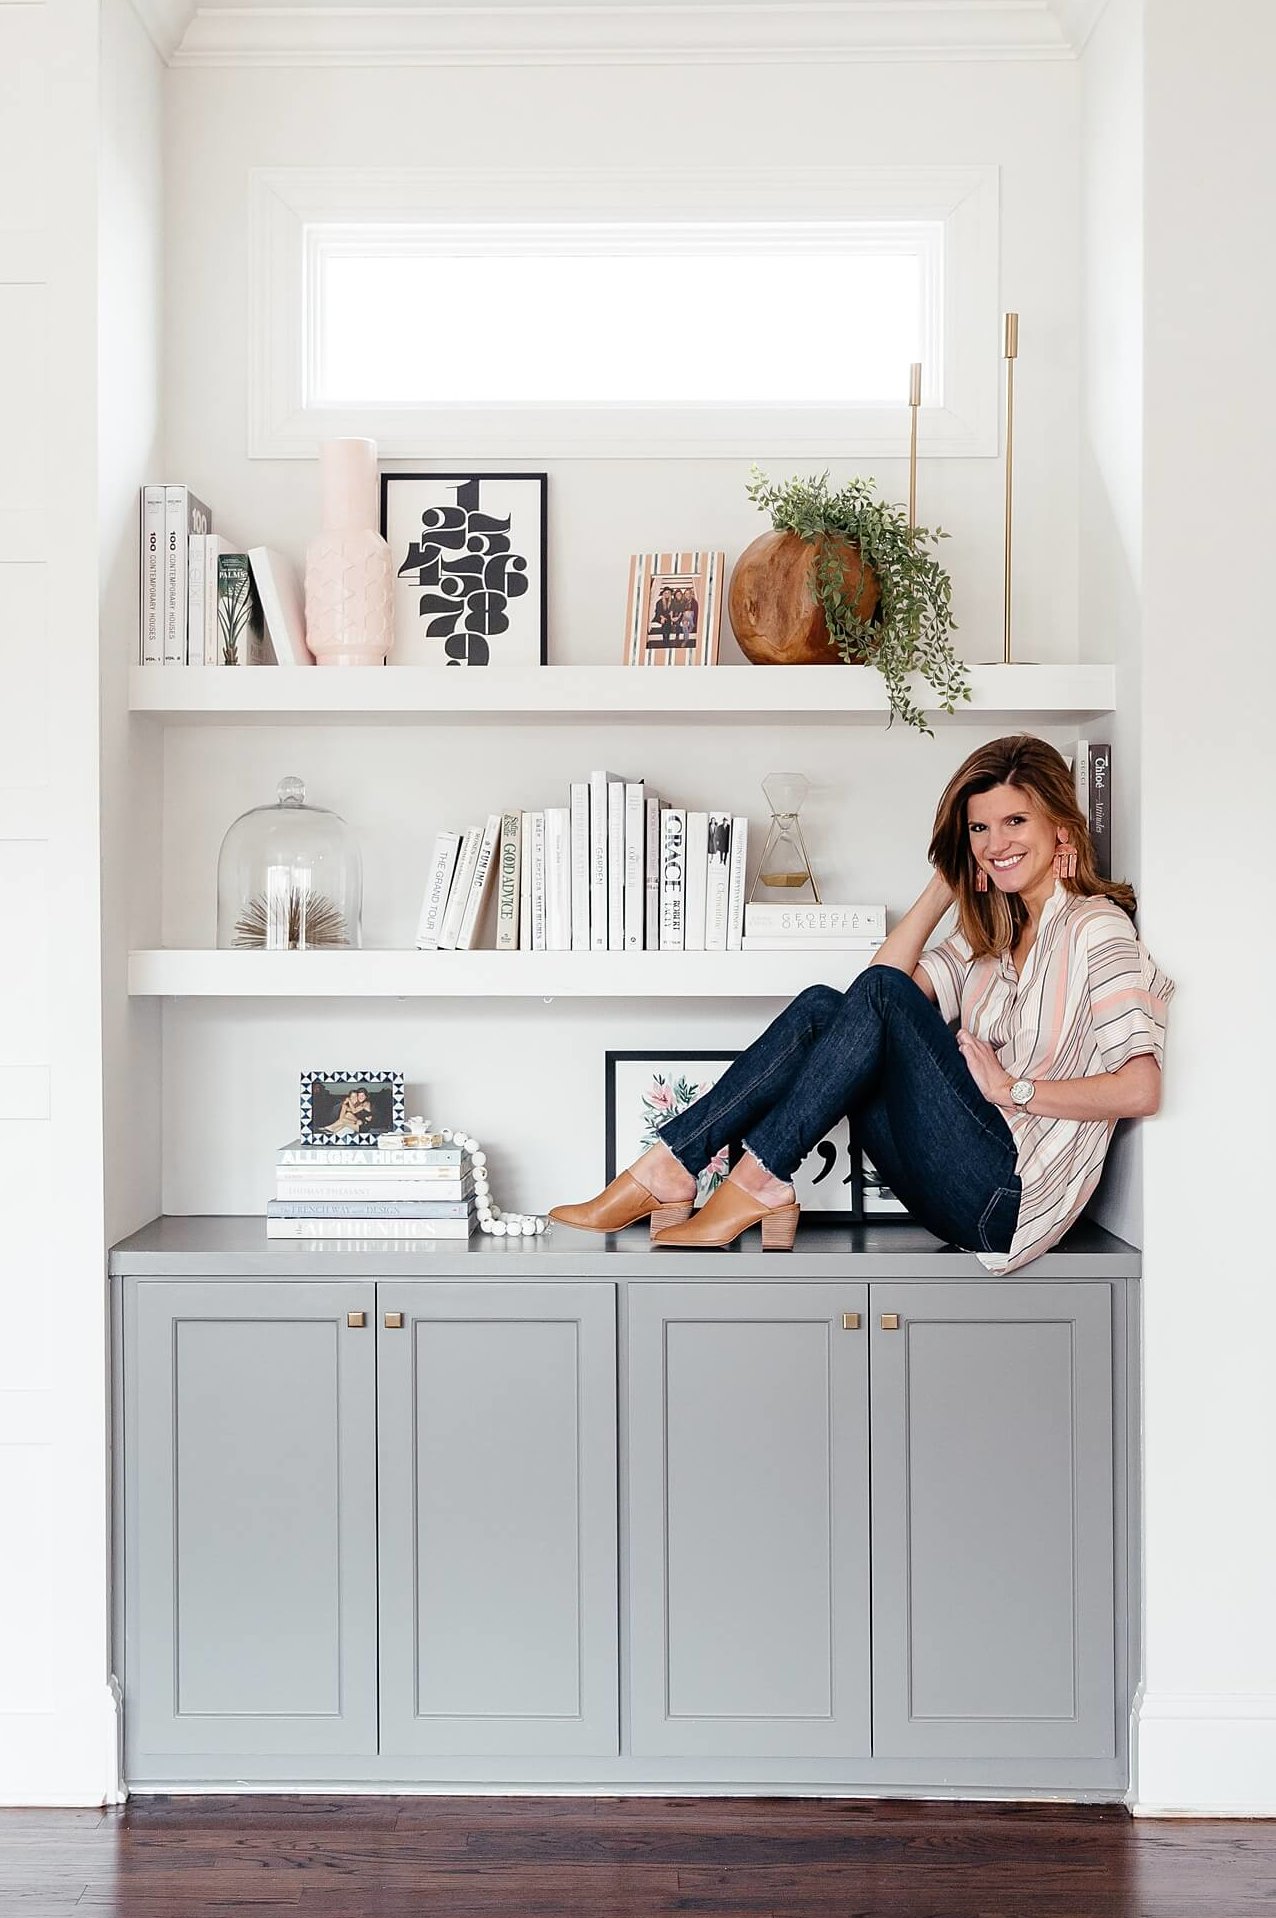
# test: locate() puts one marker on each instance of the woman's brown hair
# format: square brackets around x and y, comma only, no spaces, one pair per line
[992,921]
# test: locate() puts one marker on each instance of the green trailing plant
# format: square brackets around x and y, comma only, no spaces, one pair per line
[909,632]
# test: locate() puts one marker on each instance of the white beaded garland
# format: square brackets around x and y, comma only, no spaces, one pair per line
[423,1132]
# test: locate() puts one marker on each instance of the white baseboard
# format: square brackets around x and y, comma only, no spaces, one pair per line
[1204,1754]
[64,1758]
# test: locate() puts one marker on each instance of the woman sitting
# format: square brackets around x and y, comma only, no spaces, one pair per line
[993,1136]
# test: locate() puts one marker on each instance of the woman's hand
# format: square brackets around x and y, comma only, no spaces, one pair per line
[986,1069]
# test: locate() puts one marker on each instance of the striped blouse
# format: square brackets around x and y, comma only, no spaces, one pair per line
[1091,997]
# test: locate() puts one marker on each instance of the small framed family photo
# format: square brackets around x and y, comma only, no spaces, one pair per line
[643,1089]
[675,609]
[468,559]
[349,1108]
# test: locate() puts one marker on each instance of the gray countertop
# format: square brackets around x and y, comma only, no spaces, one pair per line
[237,1248]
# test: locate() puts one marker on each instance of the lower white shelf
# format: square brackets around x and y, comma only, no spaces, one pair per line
[197,973]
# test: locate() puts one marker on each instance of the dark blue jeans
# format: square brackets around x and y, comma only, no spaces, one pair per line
[881,1056]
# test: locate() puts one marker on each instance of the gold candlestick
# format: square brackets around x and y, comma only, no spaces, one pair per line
[1010,352]
[914,402]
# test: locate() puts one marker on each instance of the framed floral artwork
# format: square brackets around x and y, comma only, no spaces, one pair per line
[468,558]
[643,1089]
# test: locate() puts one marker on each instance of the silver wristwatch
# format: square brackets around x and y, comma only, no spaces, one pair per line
[1022,1090]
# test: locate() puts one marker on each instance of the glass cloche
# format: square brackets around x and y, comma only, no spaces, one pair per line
[289,878]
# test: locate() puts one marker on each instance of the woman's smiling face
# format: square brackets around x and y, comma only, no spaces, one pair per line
[1013,842]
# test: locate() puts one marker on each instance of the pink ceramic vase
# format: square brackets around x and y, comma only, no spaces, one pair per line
[349,594]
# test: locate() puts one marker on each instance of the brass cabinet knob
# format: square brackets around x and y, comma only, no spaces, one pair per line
[890,1321]
[356,1320]
[850,1321]
[393,1321]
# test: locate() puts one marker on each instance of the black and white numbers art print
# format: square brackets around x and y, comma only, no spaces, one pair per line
[468,556]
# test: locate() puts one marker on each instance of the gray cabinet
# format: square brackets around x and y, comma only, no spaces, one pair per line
[497,1438]
[250,1518]
[748,1520]
[993,1612]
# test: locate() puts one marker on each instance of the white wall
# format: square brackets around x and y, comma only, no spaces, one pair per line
[504,1071]
[1207,1732]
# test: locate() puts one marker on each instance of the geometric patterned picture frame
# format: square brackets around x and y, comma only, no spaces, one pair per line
[349,1108]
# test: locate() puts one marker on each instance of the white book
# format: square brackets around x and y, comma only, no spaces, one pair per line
[283,606]
[697,874]
[717,881]
[651,885]
[735,883]
[809,942]
[214,547]
[775,917]
[459,893]
[538,881]
[1081,777]
[183,515]
[579,796]
[598,782]
[152,594]
[299,1152]
[277,1228]
[447,846]
[313,1191]
[615,865]
[673,846]
[558,879]
[525,883]
[196,589]
[323,1174]
[635,905]
[480,884]
[509,882]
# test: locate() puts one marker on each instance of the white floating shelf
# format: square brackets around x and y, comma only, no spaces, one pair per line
[282,695]
[196,973]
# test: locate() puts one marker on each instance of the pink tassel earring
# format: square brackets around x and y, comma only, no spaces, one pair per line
[981,879]
[1065,861]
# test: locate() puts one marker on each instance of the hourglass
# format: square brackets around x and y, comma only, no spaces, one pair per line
[785,871]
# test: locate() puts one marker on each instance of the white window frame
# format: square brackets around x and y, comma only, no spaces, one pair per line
[289,207]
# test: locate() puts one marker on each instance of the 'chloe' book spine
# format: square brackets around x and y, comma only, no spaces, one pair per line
[447,846]
[509,882]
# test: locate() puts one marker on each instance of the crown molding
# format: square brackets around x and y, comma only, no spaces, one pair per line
[652,32]
[1078,19]
[166,22]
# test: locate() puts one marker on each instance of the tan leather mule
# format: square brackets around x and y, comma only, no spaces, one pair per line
[727,1212]
[622,1203]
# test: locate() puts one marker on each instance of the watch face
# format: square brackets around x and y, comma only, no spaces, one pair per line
[1022,1090]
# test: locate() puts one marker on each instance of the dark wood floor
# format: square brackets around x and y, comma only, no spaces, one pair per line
[626,1858]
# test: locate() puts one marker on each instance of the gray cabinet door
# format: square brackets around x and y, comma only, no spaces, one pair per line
[993,1626]
[497,1445]
[748,1520]
[250,1520]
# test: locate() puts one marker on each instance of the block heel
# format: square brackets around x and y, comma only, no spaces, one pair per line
[779,1228]
[671,1214]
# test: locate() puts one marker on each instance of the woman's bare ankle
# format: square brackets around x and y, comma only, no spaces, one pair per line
[759,1184]
[664,1176]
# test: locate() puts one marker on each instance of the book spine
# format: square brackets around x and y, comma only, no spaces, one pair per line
[361,1192]
[214,547]
[598,861]
[368,1209]
[538,881]
[1081,777]
[764,942]
[615,865]
[673,846]
[480,885]
[635,864]
[153,569]
[769,916]
[735,883]
[697,868]
[175,554]
[525,883]
[1100,814]
[508,882]
[447,846]
[717,881]
[239,622]
[579,808]
[651,883]
[196,577]
[558,905]
[365,1228]
[354,1158]
[459,891]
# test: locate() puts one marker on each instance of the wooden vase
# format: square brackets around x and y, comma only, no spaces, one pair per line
[772,605]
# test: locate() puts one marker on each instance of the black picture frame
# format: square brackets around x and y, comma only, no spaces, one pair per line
[324,1092]
[454,581]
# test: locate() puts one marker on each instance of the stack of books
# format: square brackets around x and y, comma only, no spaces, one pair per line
[777,927]
[365,1192]
[203,604]
[614,870]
